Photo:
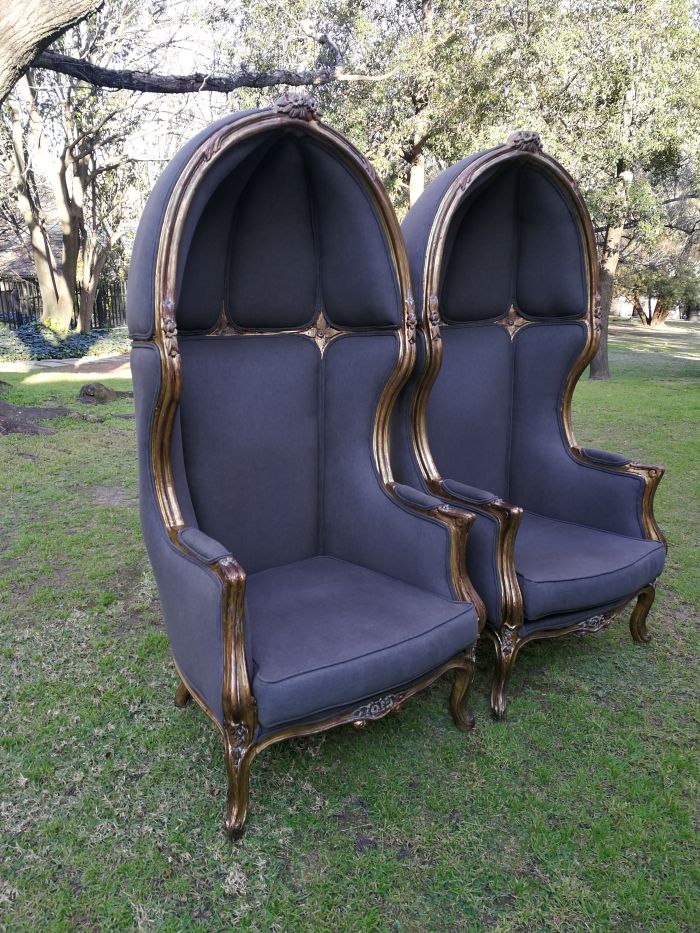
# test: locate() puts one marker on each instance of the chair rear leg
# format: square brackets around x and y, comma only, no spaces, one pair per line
[182,695]
[638,619]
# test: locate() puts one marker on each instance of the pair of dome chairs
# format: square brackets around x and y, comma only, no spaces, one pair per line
[341,490]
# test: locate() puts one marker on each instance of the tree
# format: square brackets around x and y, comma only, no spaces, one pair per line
[656,289]
[62,144]
[29,27]
[614,89]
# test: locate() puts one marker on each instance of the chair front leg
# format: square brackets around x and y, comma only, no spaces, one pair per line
[239,751]
[506,640]
[464,676]
[638,619]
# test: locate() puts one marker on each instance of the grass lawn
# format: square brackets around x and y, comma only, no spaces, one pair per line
[574,814]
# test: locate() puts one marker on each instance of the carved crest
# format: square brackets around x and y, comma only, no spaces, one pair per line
[411,320]
[525,141]
[169,328]
[298,107]
[377,708]
[433,318]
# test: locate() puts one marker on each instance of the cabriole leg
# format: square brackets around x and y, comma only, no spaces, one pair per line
[506,652]
[638,619]
[182,695]
[239,756]
[462,715]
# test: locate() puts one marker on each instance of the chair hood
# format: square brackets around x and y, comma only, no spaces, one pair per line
[258,219]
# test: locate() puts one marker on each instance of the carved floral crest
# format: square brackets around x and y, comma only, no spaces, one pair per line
[525,141]
[298,107]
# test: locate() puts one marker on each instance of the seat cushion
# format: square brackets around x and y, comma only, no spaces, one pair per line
[327,634]
[563,567]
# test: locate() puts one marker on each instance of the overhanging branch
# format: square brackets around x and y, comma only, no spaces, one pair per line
[146,83]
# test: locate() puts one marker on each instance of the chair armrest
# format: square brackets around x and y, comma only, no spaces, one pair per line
[457,521]
[468,494]
[604,456]
[201,545]
[492,562]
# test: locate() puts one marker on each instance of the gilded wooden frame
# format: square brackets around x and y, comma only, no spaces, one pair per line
[508,637]
[296,114]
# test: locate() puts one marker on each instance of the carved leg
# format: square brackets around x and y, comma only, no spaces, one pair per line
[462,715]
[182,695]
[638,619]
[506,652]
[239,756]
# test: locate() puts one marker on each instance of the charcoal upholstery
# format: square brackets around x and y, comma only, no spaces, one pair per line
[494,414]
[349,590]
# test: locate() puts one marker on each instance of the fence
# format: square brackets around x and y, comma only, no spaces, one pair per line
[20,302]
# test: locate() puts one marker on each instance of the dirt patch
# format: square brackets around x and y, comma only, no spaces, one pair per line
[113,496]
[20,419]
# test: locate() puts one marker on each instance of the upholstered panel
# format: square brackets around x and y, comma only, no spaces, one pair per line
[545,477]
[359,284]
[551,275]
[250,417]
[362,523]
[563,566]
[205,245]
[190,594]
[418,222]
[273,269]
[469,407]
[480,256]
[363,633]
[514,240]
[141,287]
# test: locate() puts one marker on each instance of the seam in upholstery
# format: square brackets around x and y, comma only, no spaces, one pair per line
[514,301]
[319,305]
[590,576]
[468,608]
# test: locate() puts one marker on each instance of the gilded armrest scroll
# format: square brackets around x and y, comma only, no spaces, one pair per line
[651,475]
[457,521]
[508,518]
[239,708]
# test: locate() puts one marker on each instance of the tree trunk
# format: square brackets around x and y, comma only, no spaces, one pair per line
[416,179]
[92,270]
[661,313]
[28,27]
[600,368]
[56,296]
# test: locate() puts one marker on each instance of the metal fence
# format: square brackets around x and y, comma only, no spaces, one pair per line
[20,302]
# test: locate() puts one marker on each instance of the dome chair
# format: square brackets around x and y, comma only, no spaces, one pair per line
[504,268]
[273,326]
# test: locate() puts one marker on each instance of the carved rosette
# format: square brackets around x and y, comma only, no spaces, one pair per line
[592,625]
[169,329]
[433,318]
[411,320]
[238,735]
[298,107]
[321,332]
[525,141]
[377,708]
[508,638]
[513,322]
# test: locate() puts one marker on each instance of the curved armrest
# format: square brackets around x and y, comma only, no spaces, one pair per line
[468,494]
[492,558]
[457,522]
[619,465]
[604,456]
[202,546]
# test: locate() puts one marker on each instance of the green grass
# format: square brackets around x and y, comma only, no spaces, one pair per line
[574,814]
